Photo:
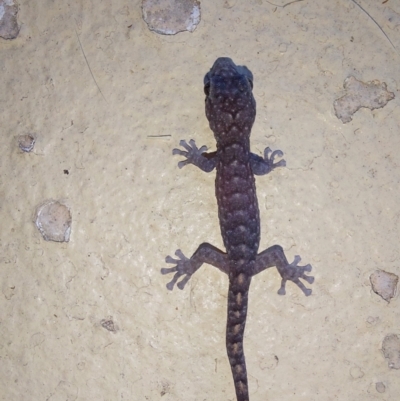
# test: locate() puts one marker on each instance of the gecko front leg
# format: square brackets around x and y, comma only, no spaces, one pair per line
[274,256]
[261,166]
[205,253]
[197,156]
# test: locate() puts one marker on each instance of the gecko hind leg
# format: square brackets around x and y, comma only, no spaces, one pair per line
[205,253]
[274,256]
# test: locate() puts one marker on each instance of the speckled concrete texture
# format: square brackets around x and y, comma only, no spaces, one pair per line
[107,100]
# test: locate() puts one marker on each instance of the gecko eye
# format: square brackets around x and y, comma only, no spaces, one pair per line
[207,89]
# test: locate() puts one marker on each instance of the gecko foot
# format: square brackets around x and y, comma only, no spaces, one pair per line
[192,153]
[293,272]
[183,268]
[269,157]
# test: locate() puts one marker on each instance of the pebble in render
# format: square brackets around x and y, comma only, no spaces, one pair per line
[169,17]
[53,220]
[371,95]
[9,28]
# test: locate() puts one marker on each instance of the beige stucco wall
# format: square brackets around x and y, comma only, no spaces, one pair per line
[336,204]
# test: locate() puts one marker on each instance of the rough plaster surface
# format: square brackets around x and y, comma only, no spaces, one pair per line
[91,319]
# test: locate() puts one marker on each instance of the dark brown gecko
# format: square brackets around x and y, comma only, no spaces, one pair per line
[231,111]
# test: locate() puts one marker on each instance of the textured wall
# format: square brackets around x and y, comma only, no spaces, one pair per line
[108,100]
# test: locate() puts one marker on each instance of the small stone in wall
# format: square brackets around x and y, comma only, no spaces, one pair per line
[169,17]
[53,220]
[9,28]
[26,142]
[380,387]
[108,324]
[372,95]
[391,350]
[384,284]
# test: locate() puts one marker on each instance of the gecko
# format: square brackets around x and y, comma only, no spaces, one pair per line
[231,110]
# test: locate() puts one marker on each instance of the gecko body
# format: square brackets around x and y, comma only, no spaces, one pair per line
[231,111]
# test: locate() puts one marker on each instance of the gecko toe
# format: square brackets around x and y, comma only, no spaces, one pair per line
[167,270]
[309,279]
[276,153]
[182,283]
[180,255]
[282,290]
[184,144]
[307,268]
[183,163]
[170,286]
[281,163]
[179,152]
[168,259]
[307,292]
[267,151]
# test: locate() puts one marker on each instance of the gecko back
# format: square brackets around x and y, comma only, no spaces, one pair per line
[231,111]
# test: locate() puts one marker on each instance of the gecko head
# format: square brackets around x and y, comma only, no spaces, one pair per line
[230,105]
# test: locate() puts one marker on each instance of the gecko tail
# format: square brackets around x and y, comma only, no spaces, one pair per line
[236,322]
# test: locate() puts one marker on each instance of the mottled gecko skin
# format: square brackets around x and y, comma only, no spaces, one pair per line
[231,111]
